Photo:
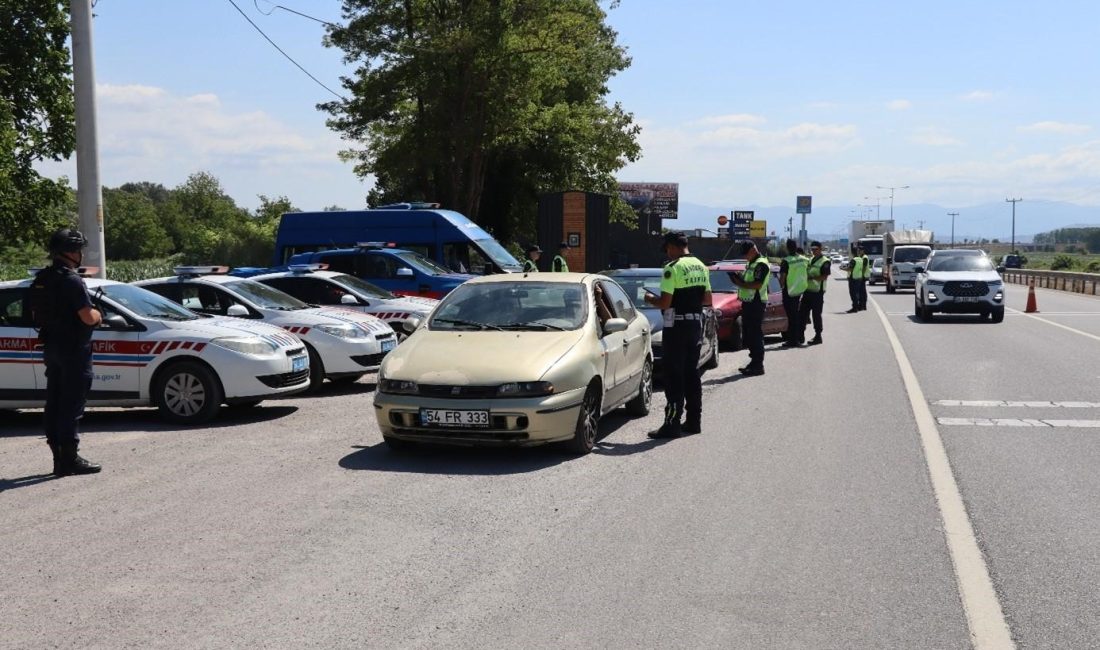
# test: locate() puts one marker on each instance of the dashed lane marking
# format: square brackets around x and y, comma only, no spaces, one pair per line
[984,616]
[1059,325]
[1019,422]
[995,403]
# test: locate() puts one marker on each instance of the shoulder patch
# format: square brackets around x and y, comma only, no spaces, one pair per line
[668,274]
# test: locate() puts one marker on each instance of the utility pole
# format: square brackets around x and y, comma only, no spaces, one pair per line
[952,215]
[920,223]
[1013,202]
[89,193]
[899,187]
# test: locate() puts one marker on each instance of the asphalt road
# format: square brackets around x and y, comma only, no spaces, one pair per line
[803,517]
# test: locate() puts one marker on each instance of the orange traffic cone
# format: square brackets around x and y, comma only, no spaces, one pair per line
[1031,308]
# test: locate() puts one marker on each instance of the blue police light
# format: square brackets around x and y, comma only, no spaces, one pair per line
[375,245]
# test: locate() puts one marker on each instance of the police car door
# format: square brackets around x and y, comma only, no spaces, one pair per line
[120,354]
[20,351]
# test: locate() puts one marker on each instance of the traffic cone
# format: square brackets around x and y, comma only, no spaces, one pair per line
[1031,308]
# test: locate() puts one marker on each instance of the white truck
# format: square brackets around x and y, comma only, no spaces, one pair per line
[868,234]
[903,251]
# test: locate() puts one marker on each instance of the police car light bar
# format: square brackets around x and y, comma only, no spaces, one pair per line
[307,268]
[376,244]
[409,206]
[201,270]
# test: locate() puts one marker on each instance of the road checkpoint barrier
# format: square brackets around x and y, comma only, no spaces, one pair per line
[1031,308]
[1074,282]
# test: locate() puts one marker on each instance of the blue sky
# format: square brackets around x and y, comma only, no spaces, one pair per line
[742,103]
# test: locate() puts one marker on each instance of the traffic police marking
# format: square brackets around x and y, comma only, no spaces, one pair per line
[984,616]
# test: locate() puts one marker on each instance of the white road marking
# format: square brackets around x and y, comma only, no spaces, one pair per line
[986,619]
[1013,422]
[1050,322]
[1016,404]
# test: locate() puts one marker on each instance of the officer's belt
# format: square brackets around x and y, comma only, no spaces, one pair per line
[694,316]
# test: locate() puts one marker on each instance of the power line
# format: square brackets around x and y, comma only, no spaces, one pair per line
[288,57]
[288,9]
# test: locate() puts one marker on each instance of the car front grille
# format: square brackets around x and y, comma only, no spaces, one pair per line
[458,392]
[965,289]
[293,352]
[369,360]
[285,379]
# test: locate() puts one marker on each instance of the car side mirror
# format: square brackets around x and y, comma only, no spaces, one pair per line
[348,299]
[238,311]
[410,325]
[614,325]
[404,272]
[114,322]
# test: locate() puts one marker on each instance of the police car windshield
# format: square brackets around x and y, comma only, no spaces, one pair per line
[265,297]
[361,287]
[145,303]
[533,306]
[423,264]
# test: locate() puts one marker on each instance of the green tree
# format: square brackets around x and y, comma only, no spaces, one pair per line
[132,227]
[482,104]
[36,117]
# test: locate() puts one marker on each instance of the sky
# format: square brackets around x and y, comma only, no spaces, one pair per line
[743,103]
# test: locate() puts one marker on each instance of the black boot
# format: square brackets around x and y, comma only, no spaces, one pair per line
[72,462]
[667,430]
[692,425]
[58,465]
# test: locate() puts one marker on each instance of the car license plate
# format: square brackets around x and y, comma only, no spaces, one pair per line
[967,299]
[449,418]
[298,364]
[388,344]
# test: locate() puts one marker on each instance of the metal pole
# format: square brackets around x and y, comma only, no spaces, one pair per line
[89,193]
[952,215]
[1013,202]
[802,233]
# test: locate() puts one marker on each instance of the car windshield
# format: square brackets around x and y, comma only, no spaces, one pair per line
[720,282]
[910,255]
[636,285]
[361,287]
[498,254]
[877,264]
[145,303]
[537,306]
[423,264]
[265,297]
[960,263]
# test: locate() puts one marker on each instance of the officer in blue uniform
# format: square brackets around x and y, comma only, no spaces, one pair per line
[63,312]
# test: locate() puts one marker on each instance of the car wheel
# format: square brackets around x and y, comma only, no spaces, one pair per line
[588,423]
[890,288]
[926,313]
[316,369]
[734,343]
[346,380]
[639,406]
[712,360]
[916,308]
[397,444]
[188,393]
[998,315]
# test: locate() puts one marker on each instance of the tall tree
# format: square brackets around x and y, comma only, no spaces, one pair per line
[132,227]
[36,115]
[452,97]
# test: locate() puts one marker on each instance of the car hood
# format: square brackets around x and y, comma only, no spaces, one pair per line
[728,302]
[315,316]
[224,326]
[477,358]
[974,276]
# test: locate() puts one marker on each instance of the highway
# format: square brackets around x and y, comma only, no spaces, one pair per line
[805,516]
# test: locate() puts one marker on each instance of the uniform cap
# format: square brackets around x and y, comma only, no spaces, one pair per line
[675,239]
[815,244]
[533,249]
[564,244]
[67,240]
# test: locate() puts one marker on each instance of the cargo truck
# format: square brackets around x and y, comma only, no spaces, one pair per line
[868,234]
[903,251]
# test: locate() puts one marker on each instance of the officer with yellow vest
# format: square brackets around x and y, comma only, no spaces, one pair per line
[531,264]
[793,279]
[818,270]
[752,289]
[559,265]
[859,271]
[685,291]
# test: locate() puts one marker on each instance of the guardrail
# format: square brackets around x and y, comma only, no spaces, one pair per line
[1060,280]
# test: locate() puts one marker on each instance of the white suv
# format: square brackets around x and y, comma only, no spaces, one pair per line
[959,282]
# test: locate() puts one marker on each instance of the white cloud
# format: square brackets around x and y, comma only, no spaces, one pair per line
[931,136]
[899,105]
[977,96]
[1061,128]
[730,120]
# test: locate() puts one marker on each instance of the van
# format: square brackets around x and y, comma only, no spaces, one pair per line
[443,236]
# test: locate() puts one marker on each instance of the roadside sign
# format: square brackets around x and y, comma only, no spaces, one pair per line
[723,220]
[723,232]
[741,221]
[802,205]
[758,229]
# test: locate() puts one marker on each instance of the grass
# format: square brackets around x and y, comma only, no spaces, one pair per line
[121,270]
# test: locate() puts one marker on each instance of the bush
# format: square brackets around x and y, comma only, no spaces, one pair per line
[1061,262]
[1093,267]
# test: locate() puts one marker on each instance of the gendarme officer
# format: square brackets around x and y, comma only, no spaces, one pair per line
[685,290]
[63,312]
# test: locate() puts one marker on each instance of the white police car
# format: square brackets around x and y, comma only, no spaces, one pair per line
[314,284]
[342,344]
[151,352]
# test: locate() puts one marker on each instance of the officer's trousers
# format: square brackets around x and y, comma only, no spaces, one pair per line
[796,330]
[857,290]
[752,327]
[681,345]
[812,304]
[68,380]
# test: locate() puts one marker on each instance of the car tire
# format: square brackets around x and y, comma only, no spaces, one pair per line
[188,392]
[890,288]
[397,444]
[734,343]
[998,315]
[639,406]
[588,423]
[712,361]
[926,314]
[916,308]
[345,380]
[316,369]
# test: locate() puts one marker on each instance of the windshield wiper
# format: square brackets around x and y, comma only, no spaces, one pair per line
[533,325]
[466,323]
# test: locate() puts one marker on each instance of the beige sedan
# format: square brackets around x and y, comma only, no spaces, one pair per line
[518,360]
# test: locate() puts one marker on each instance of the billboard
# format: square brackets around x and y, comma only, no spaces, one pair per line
[651,200]
[742,222]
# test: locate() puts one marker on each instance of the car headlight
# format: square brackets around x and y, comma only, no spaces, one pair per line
[995,283]
[343,331]
[398,387]
[936,283]
[525,389]
[245,345]
[932,297]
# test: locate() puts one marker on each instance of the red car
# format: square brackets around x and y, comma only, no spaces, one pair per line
[726,300]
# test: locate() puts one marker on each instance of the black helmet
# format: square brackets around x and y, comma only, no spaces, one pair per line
[67,240]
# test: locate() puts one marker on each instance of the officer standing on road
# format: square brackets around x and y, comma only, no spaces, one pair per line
[559,265]
[813,301]
[63,312]
[858,271]
[752,289]
[793,278]
[530,265]
[685,290]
